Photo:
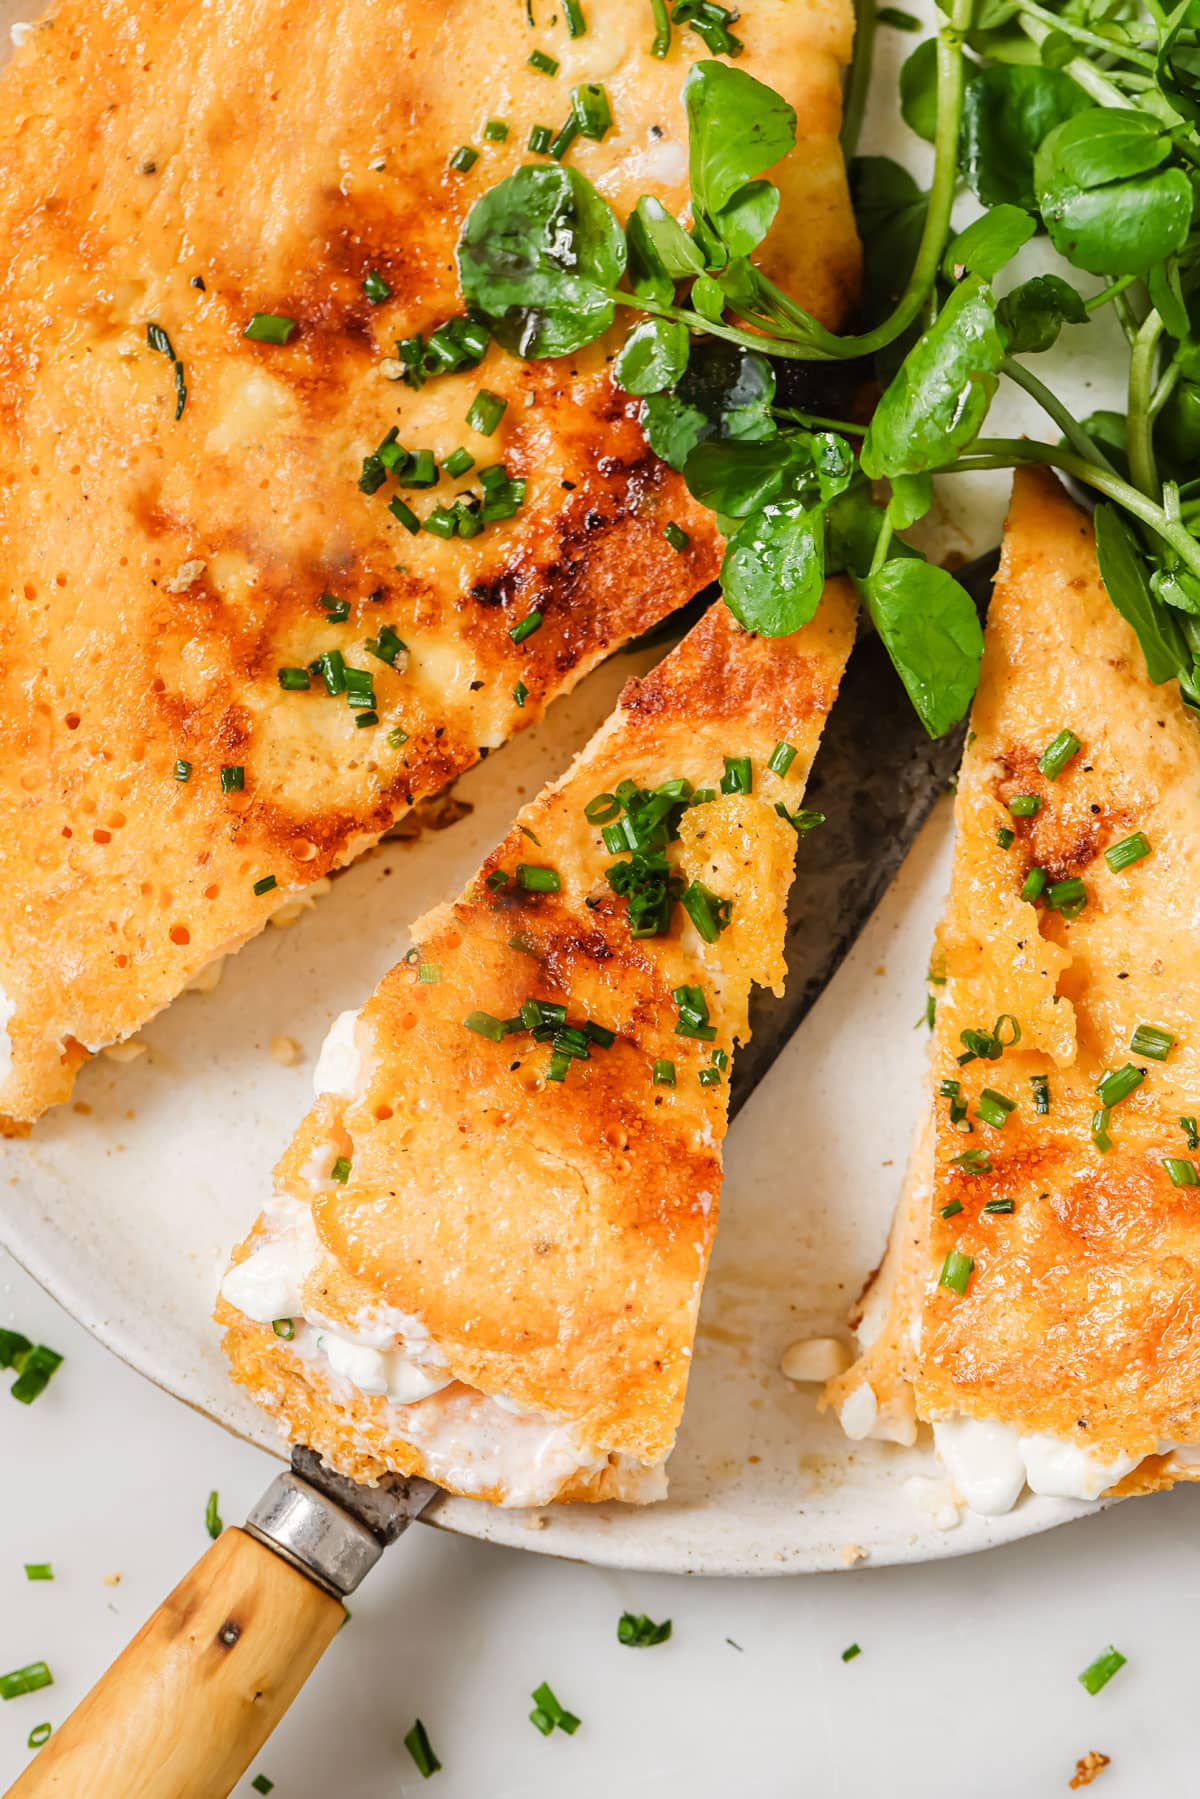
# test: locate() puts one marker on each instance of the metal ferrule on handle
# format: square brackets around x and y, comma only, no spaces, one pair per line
[314,1534]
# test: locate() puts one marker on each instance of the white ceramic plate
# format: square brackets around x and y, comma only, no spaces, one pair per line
[124,1205]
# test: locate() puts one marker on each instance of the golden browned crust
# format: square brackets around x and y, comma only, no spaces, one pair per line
[552,1237]
[188,165]
[1082,1314]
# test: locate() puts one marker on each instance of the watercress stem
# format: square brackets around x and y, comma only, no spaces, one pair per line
[1080,35]
[1050,404]
[858,83]
[1080,69]
[813,421]
[1109,293]
[1007,452]
[1139,427]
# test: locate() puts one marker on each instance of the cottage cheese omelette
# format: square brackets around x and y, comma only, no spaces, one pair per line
[484,1257]
[238,640]
[1039,1304]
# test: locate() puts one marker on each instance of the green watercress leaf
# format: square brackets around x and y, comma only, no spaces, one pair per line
[939,396]
[1121,228]
[537,257]
[745,221]
[726,393]
[774,567]
[660,252]
[1126,577]
[988,242]
[912,496]
[737,129]
[918,90]
[740,478]
[653,356]
[1107,143]
[1009,108]
[1031,316]
[931,631]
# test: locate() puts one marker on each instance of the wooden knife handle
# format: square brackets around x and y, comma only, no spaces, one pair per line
[186,1708]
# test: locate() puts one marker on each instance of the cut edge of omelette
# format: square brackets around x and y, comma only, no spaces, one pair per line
[1039,1302]
[482,1268]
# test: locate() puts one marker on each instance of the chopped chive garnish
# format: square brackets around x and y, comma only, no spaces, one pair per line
[1034,884]
[1041,1093]
[526,627]
[496,131]
[543,63]
[458,462]
[25,1680]
[1151,1040]
[989,1046]
[720,1058]
[538,880]
[464,158]
[376,288]
[1068,898]
[331,666]
[599,1034]
[550,1708]
[1100,1672]
[1182,1172]
[269,328]
[262,1784]
[1187,1125]
[340,1172]
[662,28]
[386,647]
[603,809]
[558,1066]
[397,738]
[592,109]
[999,1205]
[541,1720]
[294,680]
[709,1077]
[336,611]
[1025,805]
[949,1089]
[285,1328]
[782,757]
[738,776]
[421,1749]
[993,1108]
[267,884]
[233,778]
[638,1631]
[1005,838]
[676,536]
[498,878]
[405,514]
[485,1025]
[520,693]
[1118,1084]
[802,822]
[421,470]
[33,1362]
[540,139]
[664,1072]
[360,689]
[38,1571]
[158,340]
[41,1733]
[212,1517]
[849,1653]
[956,1271]
[1100,1136]
[708,913]
[486,411]
[573,13]
[951,1209]
[183,770]
[711,24]
[973,1161]
[1129,850]
[1057,753]
[429,972]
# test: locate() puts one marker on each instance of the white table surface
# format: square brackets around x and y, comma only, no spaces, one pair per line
[966,1684]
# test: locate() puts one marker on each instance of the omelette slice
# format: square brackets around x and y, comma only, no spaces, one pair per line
[1039,1304]
[261,591]
[484,1256]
